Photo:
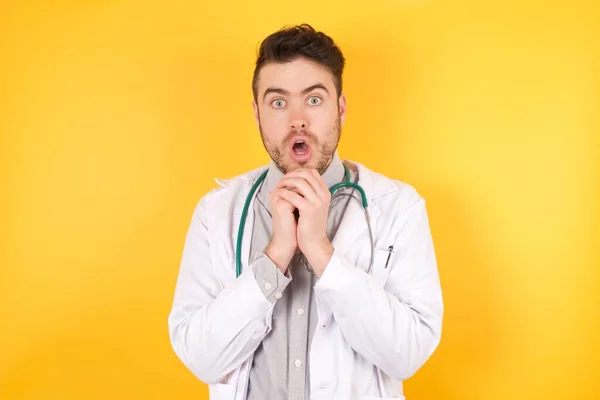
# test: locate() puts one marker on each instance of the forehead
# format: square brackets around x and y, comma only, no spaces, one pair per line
[294,76]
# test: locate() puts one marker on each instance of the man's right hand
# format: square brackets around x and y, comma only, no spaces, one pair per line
[284,242]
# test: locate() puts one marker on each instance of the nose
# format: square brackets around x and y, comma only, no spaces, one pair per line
[298,120]
[299,123]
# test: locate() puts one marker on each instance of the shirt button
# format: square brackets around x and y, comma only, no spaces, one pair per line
[267,285]
[301,311]
[298,363]
[277,295]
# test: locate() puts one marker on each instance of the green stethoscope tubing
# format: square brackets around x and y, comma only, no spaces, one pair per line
[261,178]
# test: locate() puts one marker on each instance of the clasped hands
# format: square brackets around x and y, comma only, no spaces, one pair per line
[304,190]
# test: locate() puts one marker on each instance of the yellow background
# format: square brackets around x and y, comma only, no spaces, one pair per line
[116,116]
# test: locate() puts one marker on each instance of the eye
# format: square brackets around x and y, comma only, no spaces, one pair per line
[278,103]
[314,100]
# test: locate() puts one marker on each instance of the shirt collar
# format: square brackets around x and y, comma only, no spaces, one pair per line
[332,175]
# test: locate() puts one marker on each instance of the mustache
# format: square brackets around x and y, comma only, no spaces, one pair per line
[292,135]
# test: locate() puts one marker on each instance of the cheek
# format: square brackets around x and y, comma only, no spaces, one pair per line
[322,120]
[274,125]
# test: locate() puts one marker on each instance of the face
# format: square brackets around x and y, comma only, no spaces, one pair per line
[299,114]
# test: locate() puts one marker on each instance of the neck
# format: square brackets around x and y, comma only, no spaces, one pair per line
[332,173]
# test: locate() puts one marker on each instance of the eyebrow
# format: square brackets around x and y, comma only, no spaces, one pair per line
[286,92]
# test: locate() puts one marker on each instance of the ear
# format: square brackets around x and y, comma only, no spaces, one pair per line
[256,115]
[342,107]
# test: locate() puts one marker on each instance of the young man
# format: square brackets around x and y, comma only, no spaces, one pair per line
[328,304]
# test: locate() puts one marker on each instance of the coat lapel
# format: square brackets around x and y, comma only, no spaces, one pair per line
[241,187]
[353,225]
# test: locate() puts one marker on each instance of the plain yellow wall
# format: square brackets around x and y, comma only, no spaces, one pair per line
[116,116]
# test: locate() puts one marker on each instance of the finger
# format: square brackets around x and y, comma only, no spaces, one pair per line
[314,179]
[302,173]
[293,198]
[302,187]
[277,200]
[319,179]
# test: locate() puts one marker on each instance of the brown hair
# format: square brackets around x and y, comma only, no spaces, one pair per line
[293,42]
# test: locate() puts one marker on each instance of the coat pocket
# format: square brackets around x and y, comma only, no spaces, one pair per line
[381,265]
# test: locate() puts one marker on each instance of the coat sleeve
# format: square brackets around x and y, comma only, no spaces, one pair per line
[212,329]
[398,326]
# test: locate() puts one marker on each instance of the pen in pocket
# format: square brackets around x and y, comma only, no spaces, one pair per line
[390,250]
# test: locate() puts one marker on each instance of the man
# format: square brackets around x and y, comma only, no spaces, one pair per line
[329,304]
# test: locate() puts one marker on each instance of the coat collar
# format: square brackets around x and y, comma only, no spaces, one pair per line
[373,183]
[333,174]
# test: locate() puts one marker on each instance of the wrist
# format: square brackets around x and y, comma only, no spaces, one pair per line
[280,256]
[318,255]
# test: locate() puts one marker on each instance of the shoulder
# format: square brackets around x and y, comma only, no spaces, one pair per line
[228,193]
[391,195]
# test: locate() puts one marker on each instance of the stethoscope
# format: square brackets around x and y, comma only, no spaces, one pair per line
[261,178]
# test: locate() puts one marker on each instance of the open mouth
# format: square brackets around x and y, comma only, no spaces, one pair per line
[300,149]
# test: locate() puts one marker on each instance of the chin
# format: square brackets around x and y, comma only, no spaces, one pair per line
[288,164]
[292,165]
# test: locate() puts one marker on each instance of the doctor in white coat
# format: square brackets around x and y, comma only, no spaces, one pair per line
[373,290]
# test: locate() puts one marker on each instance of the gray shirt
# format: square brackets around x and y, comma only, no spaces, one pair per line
[280,369]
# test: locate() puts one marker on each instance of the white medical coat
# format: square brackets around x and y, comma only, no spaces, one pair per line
[375,330]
